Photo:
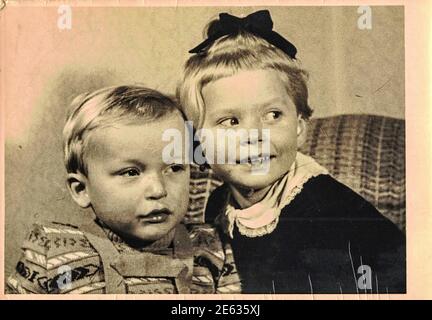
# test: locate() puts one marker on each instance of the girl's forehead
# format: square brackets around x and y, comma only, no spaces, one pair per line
[250,87]
[245,75]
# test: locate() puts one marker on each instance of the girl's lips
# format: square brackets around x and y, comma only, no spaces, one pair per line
[255,160]
[155,216]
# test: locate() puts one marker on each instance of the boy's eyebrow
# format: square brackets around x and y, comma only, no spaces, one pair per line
[176,162]
[131,161]
[138,163]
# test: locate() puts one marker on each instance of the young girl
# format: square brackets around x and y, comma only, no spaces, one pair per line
[294,229]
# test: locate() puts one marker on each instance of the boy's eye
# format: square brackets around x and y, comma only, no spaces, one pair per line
[130,173]
[177,168]
[230,122]
[272,115]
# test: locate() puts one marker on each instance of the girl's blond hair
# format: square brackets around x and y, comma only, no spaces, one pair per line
[231,54]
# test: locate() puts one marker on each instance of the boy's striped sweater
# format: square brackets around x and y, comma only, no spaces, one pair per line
[60,258]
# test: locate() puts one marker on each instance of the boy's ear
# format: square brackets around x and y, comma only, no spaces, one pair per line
[301,131]
[77,186]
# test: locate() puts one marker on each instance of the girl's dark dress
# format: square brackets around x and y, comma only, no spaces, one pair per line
[322,239]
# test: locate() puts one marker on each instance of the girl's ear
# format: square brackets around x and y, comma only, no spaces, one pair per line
[77,186]
[301,131]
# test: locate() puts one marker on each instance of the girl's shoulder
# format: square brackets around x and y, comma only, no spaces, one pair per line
[320,194]
[330,204]
[324,194]
[324,197]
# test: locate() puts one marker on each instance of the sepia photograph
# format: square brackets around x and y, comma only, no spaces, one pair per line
[220,149]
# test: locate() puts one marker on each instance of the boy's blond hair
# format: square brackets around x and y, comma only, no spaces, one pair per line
[231,54]
[107,107]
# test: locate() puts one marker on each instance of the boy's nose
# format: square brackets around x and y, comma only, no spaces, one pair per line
[155,187]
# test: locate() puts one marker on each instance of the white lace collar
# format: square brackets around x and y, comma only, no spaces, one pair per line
[262,218]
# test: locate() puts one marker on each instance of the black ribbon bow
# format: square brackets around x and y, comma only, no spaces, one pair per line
[258,23]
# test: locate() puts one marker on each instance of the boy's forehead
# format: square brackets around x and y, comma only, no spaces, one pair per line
[123,140]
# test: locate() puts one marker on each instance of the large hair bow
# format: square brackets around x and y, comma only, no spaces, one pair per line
[258,23]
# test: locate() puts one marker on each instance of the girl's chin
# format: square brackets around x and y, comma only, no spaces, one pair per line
[255,182]
[244,176]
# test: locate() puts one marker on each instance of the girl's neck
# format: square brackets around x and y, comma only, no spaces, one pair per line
[247,197]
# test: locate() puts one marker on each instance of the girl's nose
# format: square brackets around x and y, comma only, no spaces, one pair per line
[252,132]
[155,187]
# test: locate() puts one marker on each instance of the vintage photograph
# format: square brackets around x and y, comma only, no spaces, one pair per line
[205,150]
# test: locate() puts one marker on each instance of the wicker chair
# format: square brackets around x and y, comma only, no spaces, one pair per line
[365,152]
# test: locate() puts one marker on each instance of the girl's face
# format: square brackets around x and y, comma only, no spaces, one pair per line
[254,99]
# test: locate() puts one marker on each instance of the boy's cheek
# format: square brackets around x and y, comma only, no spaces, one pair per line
[182,198]
[179,194]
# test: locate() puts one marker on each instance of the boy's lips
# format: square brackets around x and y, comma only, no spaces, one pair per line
[155,216]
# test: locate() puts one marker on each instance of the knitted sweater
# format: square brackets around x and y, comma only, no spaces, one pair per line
[60,258]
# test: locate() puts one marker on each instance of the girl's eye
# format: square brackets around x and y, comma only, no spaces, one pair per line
[177,168]
[230,122]
[272,115]
[130,173]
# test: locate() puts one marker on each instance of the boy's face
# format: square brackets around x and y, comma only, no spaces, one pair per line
[130,187]
[255,99]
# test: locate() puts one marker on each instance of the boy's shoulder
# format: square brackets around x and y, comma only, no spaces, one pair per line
[51,250]
[212,252]
[205,236]
[52,239]
[207,243]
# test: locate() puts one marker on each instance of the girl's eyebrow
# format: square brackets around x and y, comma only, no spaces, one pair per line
[235,110]
[231,111]
[270,102]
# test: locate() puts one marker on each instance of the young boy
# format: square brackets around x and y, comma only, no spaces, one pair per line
[113,155]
